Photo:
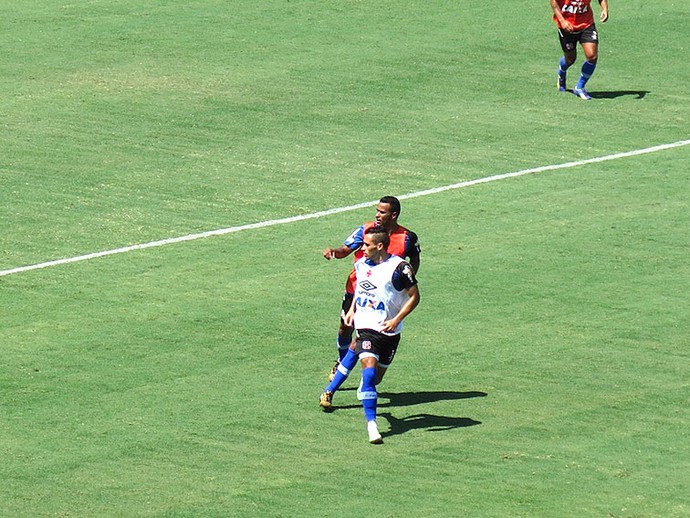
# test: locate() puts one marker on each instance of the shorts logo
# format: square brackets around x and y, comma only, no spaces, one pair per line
[366,285]
[366,345]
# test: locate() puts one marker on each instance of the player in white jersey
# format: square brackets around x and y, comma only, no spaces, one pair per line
[376,298]
[386,292]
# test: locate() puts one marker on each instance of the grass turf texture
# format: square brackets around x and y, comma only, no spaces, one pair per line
[544,374]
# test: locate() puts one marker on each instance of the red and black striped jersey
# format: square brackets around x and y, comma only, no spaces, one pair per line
[577,12]
[403,243]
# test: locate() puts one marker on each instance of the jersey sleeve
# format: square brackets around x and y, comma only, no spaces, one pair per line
[412,246]
[403,277]
[356,239]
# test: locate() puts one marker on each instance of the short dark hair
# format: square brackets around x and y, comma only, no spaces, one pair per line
[381,235]
[393,202]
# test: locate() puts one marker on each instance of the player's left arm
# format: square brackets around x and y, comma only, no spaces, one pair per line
[408,307]
[604,10]
[414,263]
[403,280]
[414,251]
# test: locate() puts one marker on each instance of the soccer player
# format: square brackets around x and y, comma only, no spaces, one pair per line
[385,293]
[403,243]
[575,22]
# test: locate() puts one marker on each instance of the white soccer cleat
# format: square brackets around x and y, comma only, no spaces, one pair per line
[374,435]
[582,93]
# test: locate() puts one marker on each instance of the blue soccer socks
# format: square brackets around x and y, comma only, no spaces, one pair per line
[586,72]
[368,393]
[562,73]
[347,363]
[343,345]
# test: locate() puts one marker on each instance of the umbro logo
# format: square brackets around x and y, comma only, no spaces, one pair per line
[366,285]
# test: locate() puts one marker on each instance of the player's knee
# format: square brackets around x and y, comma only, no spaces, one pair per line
[591,53]
[570,58]
[345,331]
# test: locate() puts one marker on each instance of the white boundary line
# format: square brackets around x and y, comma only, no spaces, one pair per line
[303,217]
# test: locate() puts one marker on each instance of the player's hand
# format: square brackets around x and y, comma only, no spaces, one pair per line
[604,16]
[329,253]
[567,26]
[389,326]
[349,319]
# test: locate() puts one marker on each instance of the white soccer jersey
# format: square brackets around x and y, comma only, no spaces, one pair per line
[376,299]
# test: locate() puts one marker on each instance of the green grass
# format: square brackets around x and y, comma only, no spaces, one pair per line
[545,373]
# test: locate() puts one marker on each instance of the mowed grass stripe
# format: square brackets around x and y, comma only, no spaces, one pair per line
[329,212]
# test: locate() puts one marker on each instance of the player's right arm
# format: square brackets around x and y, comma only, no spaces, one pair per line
[337,253]
[558,16]
[349,318]
[352,243]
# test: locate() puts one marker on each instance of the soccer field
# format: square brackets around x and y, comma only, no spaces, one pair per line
[170,173]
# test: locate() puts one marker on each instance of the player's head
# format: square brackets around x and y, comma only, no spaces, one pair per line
[387,212]
[375,242]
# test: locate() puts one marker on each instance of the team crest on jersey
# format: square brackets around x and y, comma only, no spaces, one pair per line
[366,345]
[366,285]
[407,270]
[575,7]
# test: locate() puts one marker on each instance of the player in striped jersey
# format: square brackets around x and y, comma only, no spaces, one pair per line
[575,22]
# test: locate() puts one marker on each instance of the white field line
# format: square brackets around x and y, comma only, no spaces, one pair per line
[303,217]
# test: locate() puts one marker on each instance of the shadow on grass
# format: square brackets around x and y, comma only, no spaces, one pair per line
[418,398]
[414,398]
[638,94]
[429,422]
